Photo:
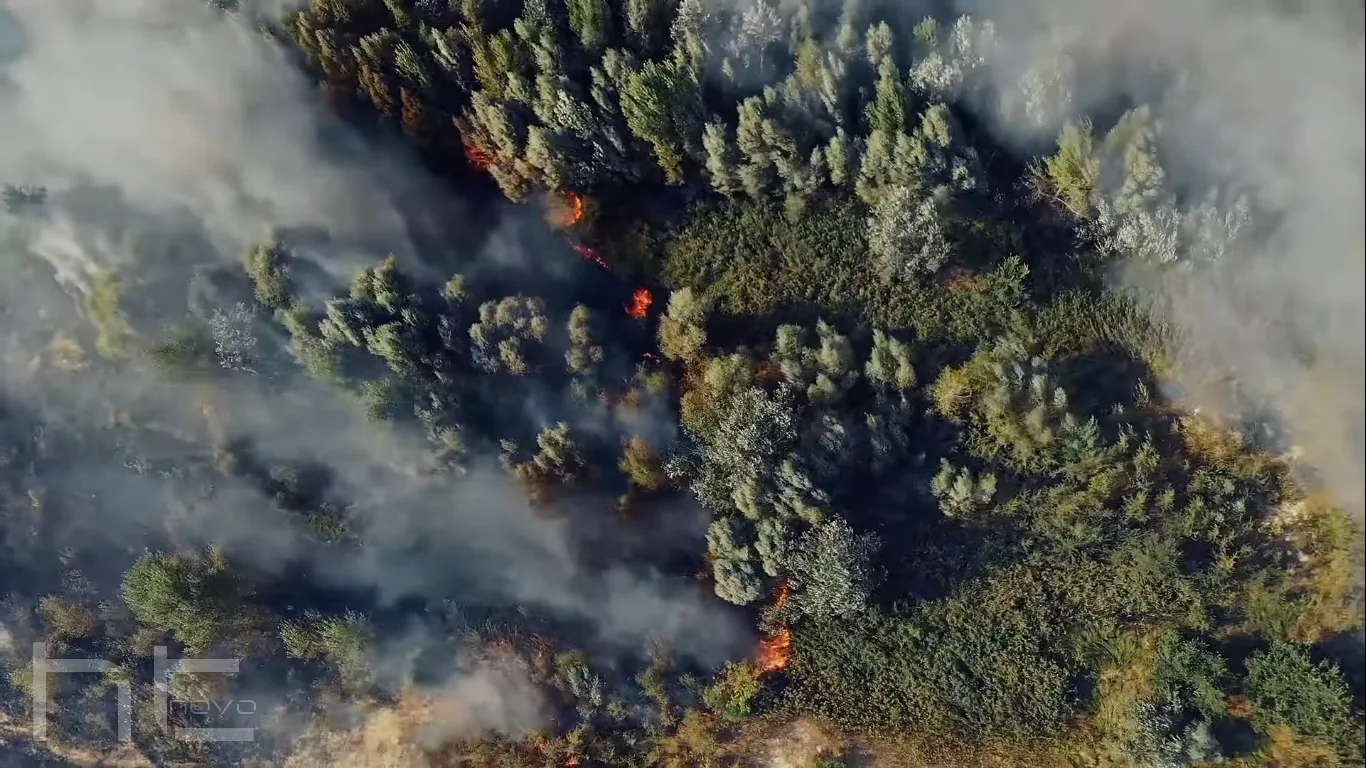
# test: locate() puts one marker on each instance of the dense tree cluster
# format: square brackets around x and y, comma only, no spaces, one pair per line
[930,448]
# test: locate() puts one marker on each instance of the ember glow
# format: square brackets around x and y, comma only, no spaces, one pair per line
[775,651]
[590,254]
[640,303]
[478,157]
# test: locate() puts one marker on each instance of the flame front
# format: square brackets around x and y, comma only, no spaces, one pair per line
[775,651]
[640,303]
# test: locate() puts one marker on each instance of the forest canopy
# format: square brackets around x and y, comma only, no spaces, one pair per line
[742,384]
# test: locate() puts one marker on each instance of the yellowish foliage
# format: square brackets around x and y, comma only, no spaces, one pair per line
[1331,545]
[1287,749]
[952,390]
[66,353]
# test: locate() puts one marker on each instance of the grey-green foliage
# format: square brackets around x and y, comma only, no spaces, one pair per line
[736,463]
[683,328]
[341,641]
[1023,408]
[591,20]
[1287,687]
[759,25]
[825,371]
[382,316]
[906,234]
[889,363]
[1071,176]
[946,62]
[722,163]
[1131,173]
[1161,232]
[559,457]
[1160,740]
[584,353]
[728,545]
[960,492]
[268,267]
[199,600]
[831,570]
[505,328]
[1154,744]
[1193,671]
[773,545]
[949,162]
[727,539]
[736,581]
[234,338]
[659,103]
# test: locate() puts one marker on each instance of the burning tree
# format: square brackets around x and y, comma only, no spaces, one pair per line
[775,651]
[566,209]
[478,157]
[640,303]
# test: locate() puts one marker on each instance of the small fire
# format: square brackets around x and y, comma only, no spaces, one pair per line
[775,651]
[640,303]
[590,254]
[573,213]
[478,157]
[784,592]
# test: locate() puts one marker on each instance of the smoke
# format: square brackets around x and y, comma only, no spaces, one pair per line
[1259,99]
[492,698]
[170,138]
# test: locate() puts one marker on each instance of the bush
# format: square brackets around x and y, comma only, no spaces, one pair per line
[1287,688]
[734,691]
[66,619]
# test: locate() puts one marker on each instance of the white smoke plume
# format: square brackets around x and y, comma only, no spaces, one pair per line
[1261,99]
[139,113]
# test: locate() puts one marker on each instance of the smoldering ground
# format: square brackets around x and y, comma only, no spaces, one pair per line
[155,115]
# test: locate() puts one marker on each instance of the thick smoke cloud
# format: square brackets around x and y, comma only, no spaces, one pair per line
[1266,100]
[227,131]
[162,118]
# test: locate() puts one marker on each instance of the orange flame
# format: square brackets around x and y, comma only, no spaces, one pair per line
[478,157]
[574,214]
[590,254]
[784,592]
[775,651]
[640,303]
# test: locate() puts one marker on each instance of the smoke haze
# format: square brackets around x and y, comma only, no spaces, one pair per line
[162,126]
[1260,99]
